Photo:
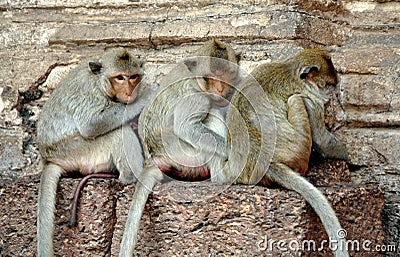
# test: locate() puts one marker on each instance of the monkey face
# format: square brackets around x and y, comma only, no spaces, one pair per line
[219,85]
[319,87]
[320,80]
[124,84]
[317,71]
[325,77]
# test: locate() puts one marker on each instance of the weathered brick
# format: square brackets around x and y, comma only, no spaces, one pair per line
[372,147]
[96,33]
[12,159]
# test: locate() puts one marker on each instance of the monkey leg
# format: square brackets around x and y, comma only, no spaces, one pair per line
[325,142]
[118,149]
[238,143]
[146,182]
[289,179]
[297,142]
[46,207]
[178,159]
[126,153]
[251,137]
[216,168]
[298,117]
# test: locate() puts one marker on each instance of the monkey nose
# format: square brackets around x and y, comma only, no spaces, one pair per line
[219,87]
[129,89]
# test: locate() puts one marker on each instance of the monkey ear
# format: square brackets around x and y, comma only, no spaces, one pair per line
[95,67]
[307,71]
[215,43]
[141,62]
[238,56]
[191,63]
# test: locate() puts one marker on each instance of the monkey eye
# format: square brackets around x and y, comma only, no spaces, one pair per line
[120,77]
[135,76]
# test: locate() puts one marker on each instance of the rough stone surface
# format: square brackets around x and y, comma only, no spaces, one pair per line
[12,159]
[377,145]
[239,220]
[196,219]
[41,40]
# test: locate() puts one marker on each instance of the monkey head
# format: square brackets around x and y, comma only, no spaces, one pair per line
[216,69]
[317,71]
[120,74]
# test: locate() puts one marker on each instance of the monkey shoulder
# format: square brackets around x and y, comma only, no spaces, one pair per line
[72,96]
[277,78]
[186,89]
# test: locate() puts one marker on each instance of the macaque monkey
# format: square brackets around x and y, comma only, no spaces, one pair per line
[181,127]
[84,128]
[280,141]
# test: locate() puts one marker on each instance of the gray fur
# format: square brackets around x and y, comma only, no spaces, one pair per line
[82,129]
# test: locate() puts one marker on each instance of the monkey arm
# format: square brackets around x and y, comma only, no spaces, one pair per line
[324,141]
[145,95]
[110,116]
[101,121]
[189,115]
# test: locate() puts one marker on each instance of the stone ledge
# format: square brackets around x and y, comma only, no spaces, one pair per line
[237,220]
[189,218]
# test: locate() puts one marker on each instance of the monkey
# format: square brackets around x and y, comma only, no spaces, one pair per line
[182,128]
[84,127]
[280,133]
[200,88]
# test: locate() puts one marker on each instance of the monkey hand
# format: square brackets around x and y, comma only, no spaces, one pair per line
[316,114]
[127,177]
[326,143]
[213,144]
[148,93]
[133,109]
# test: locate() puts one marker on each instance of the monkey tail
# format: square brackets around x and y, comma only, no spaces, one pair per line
[289,179]
[146,182]
[46,206]
[74,208]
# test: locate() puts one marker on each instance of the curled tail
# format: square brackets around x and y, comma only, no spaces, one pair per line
[146,182]
[73,220]
[45,209]
[289,179]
